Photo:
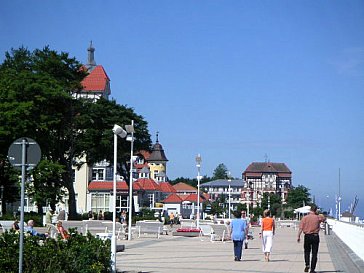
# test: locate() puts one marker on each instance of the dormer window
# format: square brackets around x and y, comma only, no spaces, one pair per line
[98,174]
[140,160]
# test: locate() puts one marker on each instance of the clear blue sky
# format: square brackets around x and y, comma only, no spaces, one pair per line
[231,80]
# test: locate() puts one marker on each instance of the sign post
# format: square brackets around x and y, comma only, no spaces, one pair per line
[23,152]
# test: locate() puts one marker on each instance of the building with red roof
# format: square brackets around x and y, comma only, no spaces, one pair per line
[97,83]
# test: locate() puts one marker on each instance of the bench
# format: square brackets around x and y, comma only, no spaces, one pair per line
[206,230]
[6,225]
[188,223]
[120,229]
[220,232]
[287,223]
[149,227]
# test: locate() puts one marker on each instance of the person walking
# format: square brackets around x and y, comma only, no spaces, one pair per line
[171,219]
[267,232]
[310,226]
[61,215]
[48,219]
[239,231]
[247,219]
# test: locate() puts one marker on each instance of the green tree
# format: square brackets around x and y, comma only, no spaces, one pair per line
[38,99]
[45,188]
[189,181]
[9,183]
[298,197]
[274,202]
[220,172]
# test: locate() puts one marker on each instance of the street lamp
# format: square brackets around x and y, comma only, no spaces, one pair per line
[130,130]
[118,131]
[229,181]
[1,199]
[198,165]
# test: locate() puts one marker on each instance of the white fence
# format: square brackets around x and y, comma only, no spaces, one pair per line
[351,234]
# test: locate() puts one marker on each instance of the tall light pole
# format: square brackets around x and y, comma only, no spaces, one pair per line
[1,199]
[339,198]
[130,130]
[118,131]
[198,165]
[229,181]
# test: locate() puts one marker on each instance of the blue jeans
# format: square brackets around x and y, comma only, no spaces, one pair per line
[238,249]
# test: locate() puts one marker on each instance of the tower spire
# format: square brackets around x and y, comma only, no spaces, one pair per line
[157,141]
[91,57]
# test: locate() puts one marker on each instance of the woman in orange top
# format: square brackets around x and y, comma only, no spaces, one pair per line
[268,230]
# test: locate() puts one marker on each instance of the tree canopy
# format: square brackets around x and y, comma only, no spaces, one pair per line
[220,172]
[298,196]
[37,100]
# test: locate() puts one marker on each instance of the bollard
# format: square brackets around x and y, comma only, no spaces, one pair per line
[327,229]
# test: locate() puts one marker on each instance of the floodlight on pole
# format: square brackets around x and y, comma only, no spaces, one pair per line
[198,165]
[130,130]
[229,181]
[118,131]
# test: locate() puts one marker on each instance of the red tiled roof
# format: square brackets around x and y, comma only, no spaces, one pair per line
[267,167]
[206,196]
[147,184]
[166,187]
[192,198]
[184,187]
[140,166]
[172,198]
[96,80]
[109,185]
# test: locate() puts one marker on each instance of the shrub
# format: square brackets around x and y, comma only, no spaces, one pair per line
[85,254]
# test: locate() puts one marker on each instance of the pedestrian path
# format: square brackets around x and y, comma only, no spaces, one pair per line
[191,255]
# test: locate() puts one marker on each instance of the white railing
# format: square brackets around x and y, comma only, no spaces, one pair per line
[351,234]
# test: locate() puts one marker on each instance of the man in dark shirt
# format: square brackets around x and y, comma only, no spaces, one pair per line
[310,226]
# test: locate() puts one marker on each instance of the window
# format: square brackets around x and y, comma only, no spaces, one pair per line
[100,201]
[151,200]
[98,174]
[140,160]
[109,174]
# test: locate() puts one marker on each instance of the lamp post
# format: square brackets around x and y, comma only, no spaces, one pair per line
[97,200]
[229,181]
[248,202]
[1,199]
[130,130]
[198,165]
[118,131]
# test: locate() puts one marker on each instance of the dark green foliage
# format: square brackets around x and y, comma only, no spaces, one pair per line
[38,99]
[85,254]
[189,181]
[298,197]
[221,172]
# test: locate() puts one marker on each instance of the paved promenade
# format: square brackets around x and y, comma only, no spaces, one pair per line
[183,254]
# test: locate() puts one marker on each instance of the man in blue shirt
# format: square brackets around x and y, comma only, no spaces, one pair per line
[239,231]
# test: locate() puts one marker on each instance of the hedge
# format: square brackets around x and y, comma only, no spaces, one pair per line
[85,254]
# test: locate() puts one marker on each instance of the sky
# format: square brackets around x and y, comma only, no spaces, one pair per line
[235,81]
